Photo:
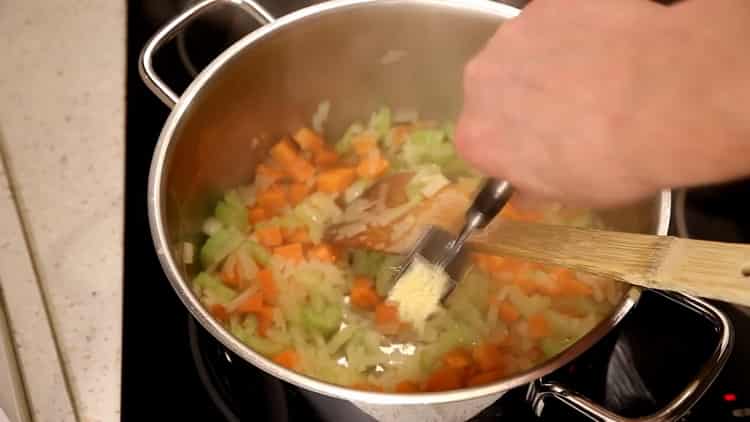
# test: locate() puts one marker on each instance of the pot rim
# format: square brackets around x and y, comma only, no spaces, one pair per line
[186,295]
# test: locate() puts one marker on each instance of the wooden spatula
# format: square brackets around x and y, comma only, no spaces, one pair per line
[708,269]
[713,270]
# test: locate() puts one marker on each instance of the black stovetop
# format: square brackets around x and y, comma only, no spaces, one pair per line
[173,370]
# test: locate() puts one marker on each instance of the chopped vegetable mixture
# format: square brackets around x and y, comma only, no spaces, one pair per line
[269,275]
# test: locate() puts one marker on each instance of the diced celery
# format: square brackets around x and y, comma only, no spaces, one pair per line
[384,277]
[448,340]
[456,167]
[233,198]
[325,321]
[345,143]
[263,346]
[553,346]
[231,215]
[366,262]
[214,288]
[340,338]
[450,129]
[218,246]
[260,254]
[380,122]
[244,330]
[356,190]
[205,280]
[427,146]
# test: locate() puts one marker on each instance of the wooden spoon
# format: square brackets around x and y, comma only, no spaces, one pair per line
[713,270]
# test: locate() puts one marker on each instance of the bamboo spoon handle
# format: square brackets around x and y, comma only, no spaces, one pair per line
[713,270]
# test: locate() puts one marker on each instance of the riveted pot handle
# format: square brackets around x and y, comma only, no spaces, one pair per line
[171,29]
[680,404]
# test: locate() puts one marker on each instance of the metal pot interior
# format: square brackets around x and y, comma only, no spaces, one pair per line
[270,83]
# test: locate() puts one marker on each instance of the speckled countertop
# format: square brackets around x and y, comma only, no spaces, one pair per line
[62,99]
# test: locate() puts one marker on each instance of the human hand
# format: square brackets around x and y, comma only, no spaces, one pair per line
[600,103]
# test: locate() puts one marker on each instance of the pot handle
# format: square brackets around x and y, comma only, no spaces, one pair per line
[680,404]
[170,30]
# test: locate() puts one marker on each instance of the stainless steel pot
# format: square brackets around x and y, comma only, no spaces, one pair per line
[358,54]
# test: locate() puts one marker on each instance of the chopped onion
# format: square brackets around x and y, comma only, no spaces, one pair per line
[434,185]
[239,300]
[188,252]
[405,115]
[247,268]
[321,115]
[392,214]
[211,226]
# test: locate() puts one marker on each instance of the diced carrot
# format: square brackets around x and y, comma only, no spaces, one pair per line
[513,213]
[500,338]
[323,252]
[297,235]
[298,192]
[293,163]
[405,387]
[288,359]
[458,358]
[364,143]
[528,286]
[336,180]
[269,236]
[256,214]
[372,167]
[272,199]
[485,377]
[254,303]
[326,157]
[445,379]
[399,134]
[508,312]
[497,264]
[559,273]
[265,320]
[364,386]
[487,357]
[269,174]
[538,326]
[308,140]
[267,286]
[219,312]
[292,252]
[363,294]
[570,285]
[535,354]
[386,313]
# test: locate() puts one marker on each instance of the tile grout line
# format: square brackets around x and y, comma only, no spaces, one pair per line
[42,291]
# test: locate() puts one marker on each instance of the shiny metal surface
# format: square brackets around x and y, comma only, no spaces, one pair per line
[488,202]
[678,406]
[270,82]
[168,32]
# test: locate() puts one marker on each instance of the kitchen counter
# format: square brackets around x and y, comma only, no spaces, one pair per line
[62,97]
